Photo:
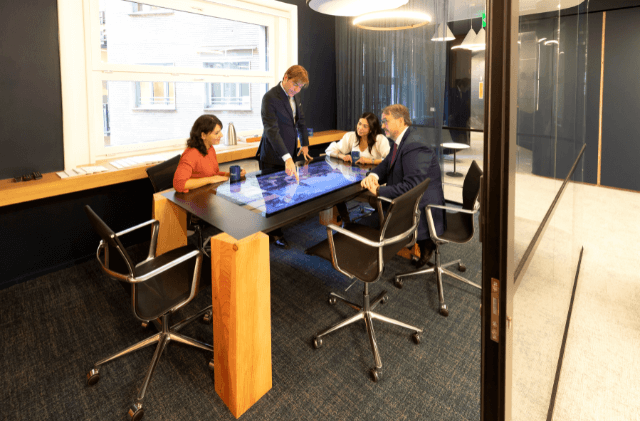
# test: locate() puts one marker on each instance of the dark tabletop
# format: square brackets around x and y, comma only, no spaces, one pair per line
[240,222]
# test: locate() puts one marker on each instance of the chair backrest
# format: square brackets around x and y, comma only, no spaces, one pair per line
[116,262]
[161,175]
[401,216]
[470,193]
[471,186]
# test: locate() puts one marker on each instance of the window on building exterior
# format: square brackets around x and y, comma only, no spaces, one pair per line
[139,7]
[229,96]
[155,95]
[164,63]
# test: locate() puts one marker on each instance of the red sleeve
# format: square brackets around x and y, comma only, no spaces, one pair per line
[212,153]
[184,170]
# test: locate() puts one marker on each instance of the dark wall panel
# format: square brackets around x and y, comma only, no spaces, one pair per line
[317,54]
[621,104]
[594,51]
[49,234]
[31,107]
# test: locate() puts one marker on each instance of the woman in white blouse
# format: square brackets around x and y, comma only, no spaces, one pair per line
[367,139]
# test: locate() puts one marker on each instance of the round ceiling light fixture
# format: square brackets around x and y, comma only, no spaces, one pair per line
[353,7]
[419,18]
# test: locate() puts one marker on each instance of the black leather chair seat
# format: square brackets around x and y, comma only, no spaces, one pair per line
[353,257]
[167,289]
[458,229]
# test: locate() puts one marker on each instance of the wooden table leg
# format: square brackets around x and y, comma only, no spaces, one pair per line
[241,291]
[330,216]
[173,224]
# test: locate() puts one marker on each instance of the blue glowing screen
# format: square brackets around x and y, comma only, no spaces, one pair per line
[272,193]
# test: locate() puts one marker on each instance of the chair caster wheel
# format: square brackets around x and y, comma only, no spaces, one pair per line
[211,365]
[207,317]
[384,299]
[444,310]
[398,282]
[461,267]
[332,300]
[317,343]
[92,377]
[416,338]
[376,374]
[136,412]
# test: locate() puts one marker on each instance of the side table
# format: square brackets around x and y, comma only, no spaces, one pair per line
[456,147]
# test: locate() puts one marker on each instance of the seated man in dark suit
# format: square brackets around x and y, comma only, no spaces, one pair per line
[410,162]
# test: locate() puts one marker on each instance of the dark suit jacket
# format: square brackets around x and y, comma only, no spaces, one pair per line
[280,136]
[415,161]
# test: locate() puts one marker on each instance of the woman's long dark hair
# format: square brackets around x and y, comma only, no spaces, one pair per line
[374,129]
[206,123]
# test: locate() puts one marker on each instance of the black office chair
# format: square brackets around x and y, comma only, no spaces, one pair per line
[159,286]
[360,251]
[161,177]
[460,229]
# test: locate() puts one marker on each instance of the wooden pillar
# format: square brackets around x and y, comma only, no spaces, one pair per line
[330,216]
[241,319]
[173,224]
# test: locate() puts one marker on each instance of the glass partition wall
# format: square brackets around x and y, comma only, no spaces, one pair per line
[380,68]
[548,221]
[412,67]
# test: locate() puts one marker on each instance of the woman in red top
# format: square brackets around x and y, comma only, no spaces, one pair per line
[199,165]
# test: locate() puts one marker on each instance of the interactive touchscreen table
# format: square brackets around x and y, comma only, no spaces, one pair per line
[272,193]
[240,265]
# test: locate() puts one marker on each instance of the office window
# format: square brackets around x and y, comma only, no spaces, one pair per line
[164,63]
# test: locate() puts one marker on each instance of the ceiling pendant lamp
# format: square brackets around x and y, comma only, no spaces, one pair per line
[353,7]
[479,43]
[443,34]
[469,40]
[392,20]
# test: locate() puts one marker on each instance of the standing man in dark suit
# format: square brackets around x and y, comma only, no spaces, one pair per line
[410,162]
[283,119]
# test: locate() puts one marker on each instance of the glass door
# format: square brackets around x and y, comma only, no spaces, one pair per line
[535,119]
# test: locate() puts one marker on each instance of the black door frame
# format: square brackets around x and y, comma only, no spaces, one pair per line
[497,204]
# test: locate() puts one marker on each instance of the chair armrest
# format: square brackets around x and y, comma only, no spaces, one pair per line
[384,199]
[430,223]
[453,185]
[144,224]
[154,235]
[454,209]
[350,234]
[361,239]
[165,267]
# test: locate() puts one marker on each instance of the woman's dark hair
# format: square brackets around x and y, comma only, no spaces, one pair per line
[204,124]
[374,129]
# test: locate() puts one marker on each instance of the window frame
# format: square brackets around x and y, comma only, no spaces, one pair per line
[83,125]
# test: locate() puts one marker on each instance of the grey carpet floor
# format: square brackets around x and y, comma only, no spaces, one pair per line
[54,328]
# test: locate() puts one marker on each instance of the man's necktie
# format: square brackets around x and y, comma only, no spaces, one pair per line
[393,155]
[293,106]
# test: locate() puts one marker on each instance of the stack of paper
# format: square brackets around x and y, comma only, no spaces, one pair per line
[142,160]
[81,171]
